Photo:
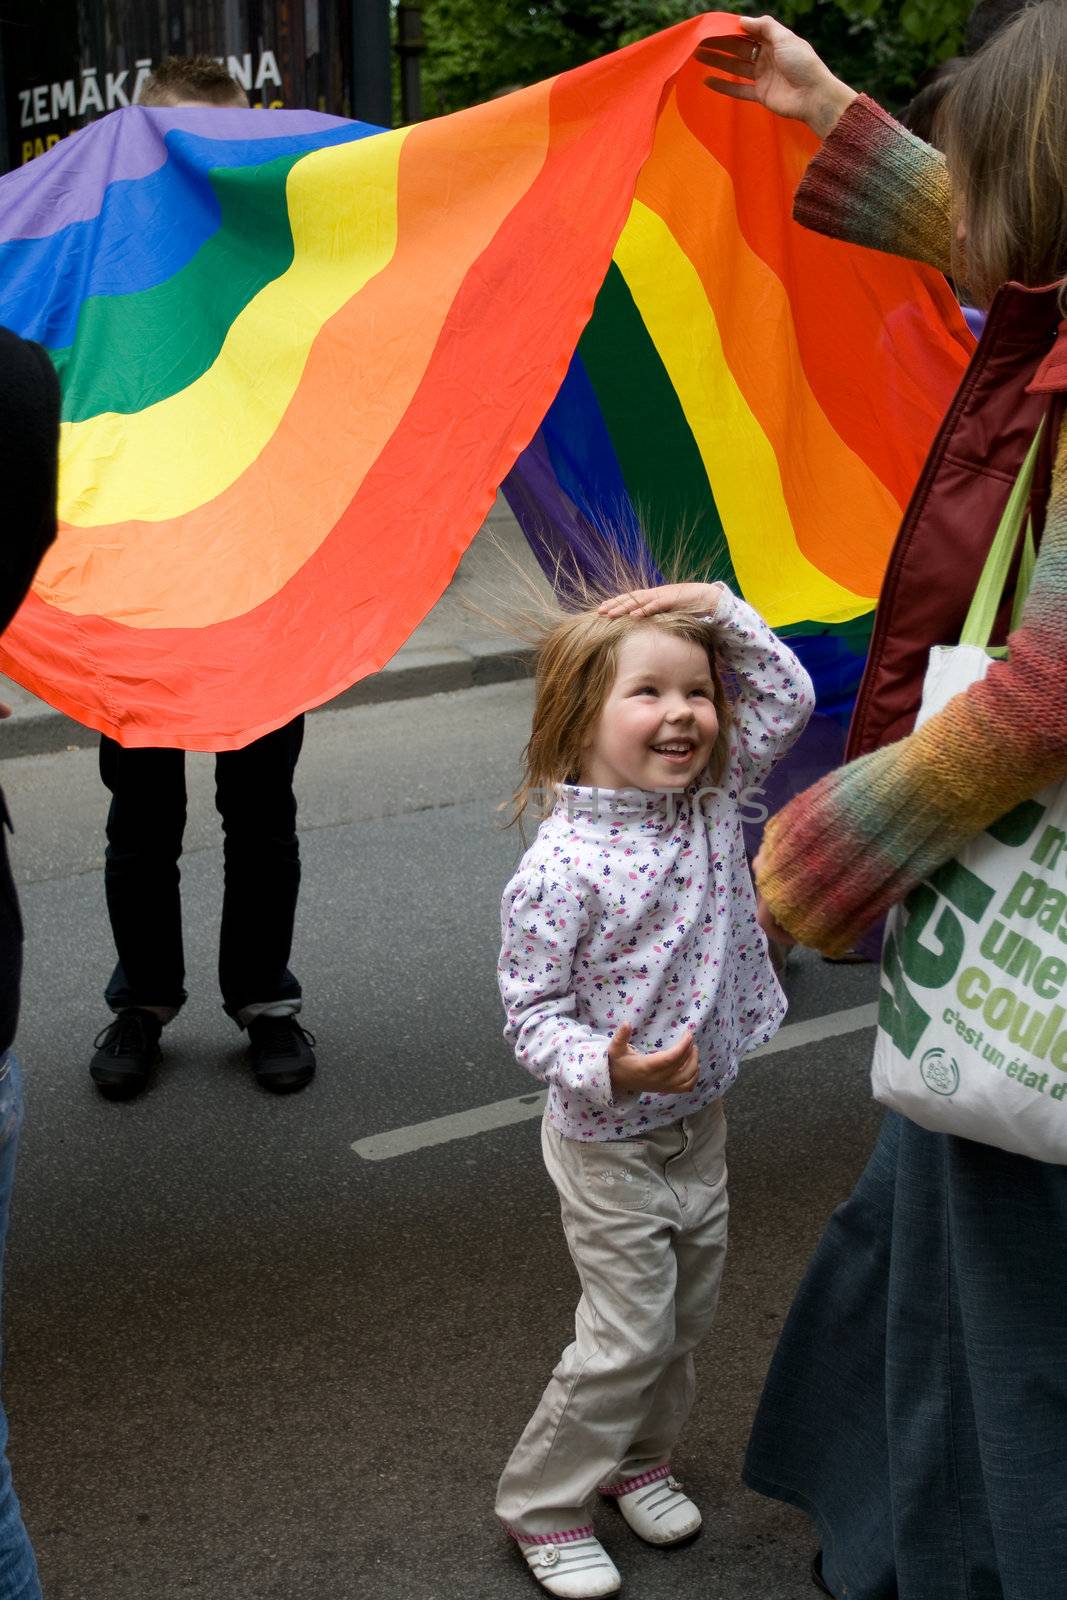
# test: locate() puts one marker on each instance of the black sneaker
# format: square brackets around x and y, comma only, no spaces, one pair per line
[282,1057]
[126,1052]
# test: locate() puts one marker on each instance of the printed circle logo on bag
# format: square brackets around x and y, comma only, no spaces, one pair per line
[940,1074]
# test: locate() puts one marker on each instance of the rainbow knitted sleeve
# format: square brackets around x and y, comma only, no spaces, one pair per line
[875,184]
[853,844]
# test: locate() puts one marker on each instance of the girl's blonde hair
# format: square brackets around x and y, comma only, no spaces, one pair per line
[577,652]
[1004,124]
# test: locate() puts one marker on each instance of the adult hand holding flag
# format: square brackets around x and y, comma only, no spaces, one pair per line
[778,70]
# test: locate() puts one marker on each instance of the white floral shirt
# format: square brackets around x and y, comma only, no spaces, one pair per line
[639,907]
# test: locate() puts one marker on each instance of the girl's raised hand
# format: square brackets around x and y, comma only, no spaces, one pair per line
[700,598]
[672,1071]
[777,70]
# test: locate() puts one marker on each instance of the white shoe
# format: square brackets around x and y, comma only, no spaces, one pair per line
[577,1569]
[660,1512]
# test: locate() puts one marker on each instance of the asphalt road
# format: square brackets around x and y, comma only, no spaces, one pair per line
[246,1362]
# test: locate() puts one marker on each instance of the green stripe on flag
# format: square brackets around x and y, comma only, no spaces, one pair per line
[131,351]
[657,453]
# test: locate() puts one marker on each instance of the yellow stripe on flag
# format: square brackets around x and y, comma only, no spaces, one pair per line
[180,453]
[774,575]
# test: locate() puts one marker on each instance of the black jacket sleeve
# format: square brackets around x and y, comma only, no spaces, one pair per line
[29,444]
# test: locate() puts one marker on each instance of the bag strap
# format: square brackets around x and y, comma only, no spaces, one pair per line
[1027,563]
[978,628]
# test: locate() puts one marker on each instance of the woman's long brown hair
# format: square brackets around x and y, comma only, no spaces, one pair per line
[1004,125]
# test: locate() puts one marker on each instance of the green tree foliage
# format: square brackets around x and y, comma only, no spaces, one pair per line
[478,48]
[882,46]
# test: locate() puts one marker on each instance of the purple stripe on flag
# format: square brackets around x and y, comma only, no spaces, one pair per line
[561,537]
[116,151]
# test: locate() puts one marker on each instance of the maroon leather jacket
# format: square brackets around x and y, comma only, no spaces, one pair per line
[1018,373]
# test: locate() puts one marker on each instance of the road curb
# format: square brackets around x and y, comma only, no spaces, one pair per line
[414,672]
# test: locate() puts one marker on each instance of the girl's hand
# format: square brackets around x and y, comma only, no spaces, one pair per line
[773,929]
[672,1071]
[779,71]
[700,598]
[764,914]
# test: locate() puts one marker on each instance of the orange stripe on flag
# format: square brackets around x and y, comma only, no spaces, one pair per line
[843,517]
[906,317]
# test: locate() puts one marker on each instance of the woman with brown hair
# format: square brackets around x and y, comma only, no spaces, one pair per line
[916,1406]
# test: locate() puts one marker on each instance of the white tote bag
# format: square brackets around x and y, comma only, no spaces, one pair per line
[972,1029]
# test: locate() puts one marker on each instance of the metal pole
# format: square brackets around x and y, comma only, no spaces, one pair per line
[410,45]
[372,66]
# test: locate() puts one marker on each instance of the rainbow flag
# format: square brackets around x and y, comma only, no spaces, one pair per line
[764,392]
[299,355]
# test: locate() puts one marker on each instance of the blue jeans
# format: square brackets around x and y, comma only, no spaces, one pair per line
[18,1569]
[916,1406]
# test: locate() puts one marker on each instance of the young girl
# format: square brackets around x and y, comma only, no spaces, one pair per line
[635,977]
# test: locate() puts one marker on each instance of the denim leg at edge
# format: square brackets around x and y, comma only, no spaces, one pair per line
[145,824]
[18,1568]
[254,797]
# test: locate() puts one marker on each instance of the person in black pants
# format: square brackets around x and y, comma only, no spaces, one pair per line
[254,797]
[146,821]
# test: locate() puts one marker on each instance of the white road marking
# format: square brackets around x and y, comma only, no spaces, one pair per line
[831,1026]
[501,1113]
[460,1125]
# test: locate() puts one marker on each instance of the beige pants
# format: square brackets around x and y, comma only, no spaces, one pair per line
[645,1221]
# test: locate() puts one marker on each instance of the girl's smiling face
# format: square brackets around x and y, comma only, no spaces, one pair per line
[658,725]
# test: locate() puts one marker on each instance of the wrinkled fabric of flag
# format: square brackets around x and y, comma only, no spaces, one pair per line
[299,355]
